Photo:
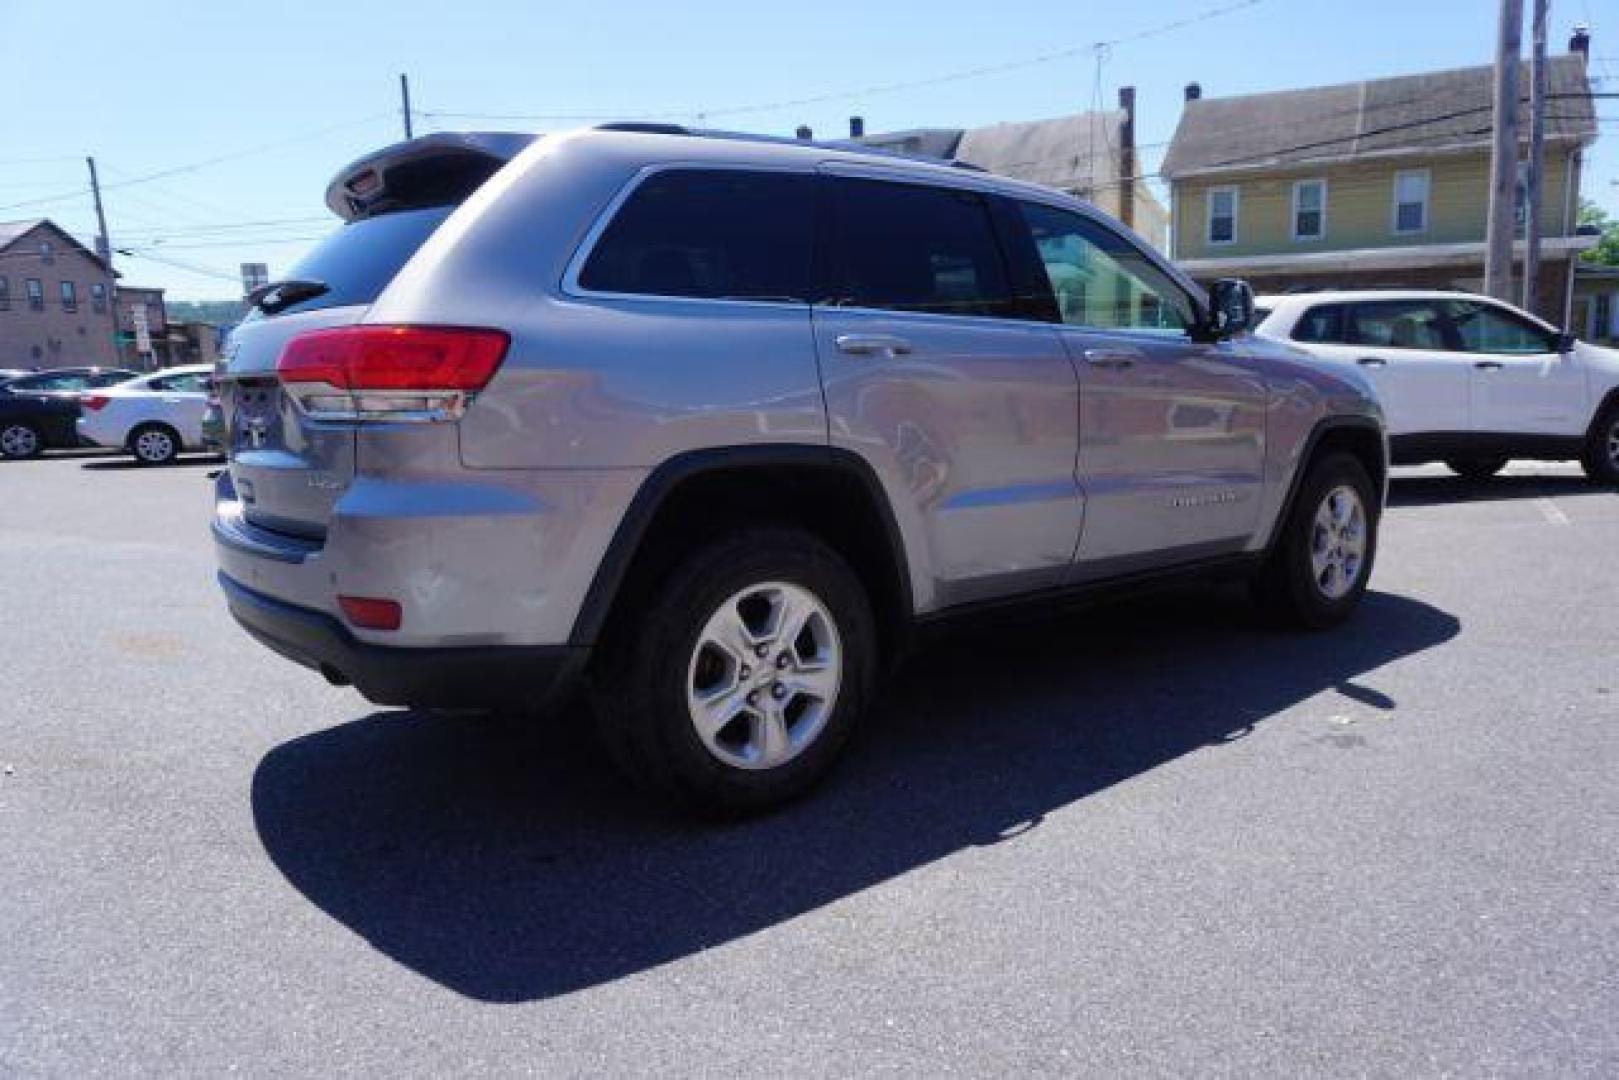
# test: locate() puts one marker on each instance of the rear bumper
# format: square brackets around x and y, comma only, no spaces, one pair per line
[462,677]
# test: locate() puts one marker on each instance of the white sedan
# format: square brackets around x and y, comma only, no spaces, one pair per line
[1464,379]
[154,416]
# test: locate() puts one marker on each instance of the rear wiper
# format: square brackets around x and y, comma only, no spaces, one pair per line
[276,295]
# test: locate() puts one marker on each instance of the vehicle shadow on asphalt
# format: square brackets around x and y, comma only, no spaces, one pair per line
[123,463]
[511,868]
[1439,490]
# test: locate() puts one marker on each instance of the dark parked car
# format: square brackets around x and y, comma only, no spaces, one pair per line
[29,423]
[38,409]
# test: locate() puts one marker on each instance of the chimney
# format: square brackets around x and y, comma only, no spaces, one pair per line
[1581,42]
[857,126]
[1194,91]
[1127,156]
[804,133]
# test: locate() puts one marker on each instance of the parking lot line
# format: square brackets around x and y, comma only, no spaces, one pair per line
[1551,511]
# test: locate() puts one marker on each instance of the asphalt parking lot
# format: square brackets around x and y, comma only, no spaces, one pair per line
[1154,838]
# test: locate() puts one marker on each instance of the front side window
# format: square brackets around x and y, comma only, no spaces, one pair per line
[909,247]
[1411,201]
[98,297]
[70,296]
[1309,209]
[1398,324]
[1102,280]
[1321,325]
[1222,215]
[1485,328]
[36,294]
[716,234]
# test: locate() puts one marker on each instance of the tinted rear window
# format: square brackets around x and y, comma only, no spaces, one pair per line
[709,233]
[906,247]
[1323,324]
[358,260]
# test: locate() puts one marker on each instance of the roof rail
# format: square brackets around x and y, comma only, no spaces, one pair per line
[957,164]
[645,127]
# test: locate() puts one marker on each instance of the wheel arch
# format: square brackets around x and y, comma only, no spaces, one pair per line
[1360,436]
[829,492]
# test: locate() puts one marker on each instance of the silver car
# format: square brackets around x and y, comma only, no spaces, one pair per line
[714,423]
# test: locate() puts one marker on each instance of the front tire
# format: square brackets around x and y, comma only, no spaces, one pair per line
[1318,570]
[1601,458]
[1476,468]
[19,441]
[740,680]
[154,444]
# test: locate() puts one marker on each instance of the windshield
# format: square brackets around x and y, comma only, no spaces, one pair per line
[357,261]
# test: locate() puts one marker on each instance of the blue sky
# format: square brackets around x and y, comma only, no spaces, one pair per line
[266,101]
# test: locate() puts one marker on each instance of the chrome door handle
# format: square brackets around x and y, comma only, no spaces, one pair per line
[1117,359]
[1372,361]
[873,345]
[1489,365]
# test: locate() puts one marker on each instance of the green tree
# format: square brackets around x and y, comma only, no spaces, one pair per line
[1606,253]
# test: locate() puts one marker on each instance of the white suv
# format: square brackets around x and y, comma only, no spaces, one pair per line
[1464,379]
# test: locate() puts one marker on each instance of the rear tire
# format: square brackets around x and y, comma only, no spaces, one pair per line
[154,444]
[735,686]
[1318,570]
[1476,468]
[19,440]
[1601,458]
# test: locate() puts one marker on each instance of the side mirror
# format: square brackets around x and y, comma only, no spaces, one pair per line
[1564,344]
[1231,308]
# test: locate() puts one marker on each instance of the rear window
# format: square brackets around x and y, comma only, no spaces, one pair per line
[905,247]
[1322,325]
[718,234]
[358,260]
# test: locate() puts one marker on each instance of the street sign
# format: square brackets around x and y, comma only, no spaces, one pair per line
[143,330]
[254,276]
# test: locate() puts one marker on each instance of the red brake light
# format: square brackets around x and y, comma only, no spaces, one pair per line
[94,402]
[394,358]
[371,613]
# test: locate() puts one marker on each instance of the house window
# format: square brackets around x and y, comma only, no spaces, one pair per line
[1309,209]
[5,293]
[47,253]
[36,294]
[98,298]
[1222,223]
[1411,201]
[70,296]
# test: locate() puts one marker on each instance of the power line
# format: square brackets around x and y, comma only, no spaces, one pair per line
[876,89]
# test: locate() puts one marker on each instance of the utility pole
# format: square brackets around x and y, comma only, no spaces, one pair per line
[404,103]
[1127,156]
[1504,154]
[104,250]
[1537,143]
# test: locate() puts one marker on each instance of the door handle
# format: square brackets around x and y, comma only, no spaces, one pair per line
[1372,361]
[873,345]
[1115,359]
[1489,365]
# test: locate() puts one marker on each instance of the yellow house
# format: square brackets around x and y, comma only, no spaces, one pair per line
[1379,183]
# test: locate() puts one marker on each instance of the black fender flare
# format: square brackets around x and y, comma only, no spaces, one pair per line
[1323,427]
[667,477]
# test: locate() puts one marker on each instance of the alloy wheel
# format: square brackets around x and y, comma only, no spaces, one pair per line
[19,441]
[764,676]
[1338,542]
[154,446]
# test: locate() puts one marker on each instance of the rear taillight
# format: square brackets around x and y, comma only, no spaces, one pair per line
[411,373]
[94,402]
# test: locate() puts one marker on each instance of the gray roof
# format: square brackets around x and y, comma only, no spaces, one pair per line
[12,231]
[1068,152]
[1433,111]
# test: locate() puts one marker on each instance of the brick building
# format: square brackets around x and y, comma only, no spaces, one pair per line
[54,305]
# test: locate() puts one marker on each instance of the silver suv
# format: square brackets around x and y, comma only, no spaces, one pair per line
[713,423]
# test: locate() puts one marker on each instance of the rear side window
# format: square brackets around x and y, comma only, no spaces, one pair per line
[717,234]
[907,247]
[357,262]
[1322,325]
[1398,324]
